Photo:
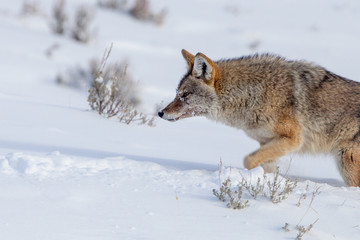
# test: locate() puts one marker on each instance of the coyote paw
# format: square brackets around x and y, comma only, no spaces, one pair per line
[249,163]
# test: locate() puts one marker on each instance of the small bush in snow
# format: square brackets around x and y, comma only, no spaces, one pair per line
[141,10]
[234,196]
[59,17]
[81,29]
[279,190]
[112,4]
[254,190]
[302,196]
[30,8]
[235,199]
[111,95]
[286,227]
[302,230]
[51,49]
[270,186]
[223,191]
[78,77]
[82,77]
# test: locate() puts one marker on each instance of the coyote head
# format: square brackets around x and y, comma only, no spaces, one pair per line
[195,95]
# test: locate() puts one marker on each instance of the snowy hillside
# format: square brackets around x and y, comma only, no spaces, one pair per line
[68,173]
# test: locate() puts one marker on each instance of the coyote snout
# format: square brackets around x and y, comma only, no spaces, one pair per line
[187,103]
[287,106]
[177,109]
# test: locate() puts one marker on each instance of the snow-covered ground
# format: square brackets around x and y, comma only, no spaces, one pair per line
[68,173]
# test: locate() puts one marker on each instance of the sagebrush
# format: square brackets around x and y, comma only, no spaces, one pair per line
[81,30]
[302,230]
[59,17]
[82,77]
[271,186]
[111,95]
[140,10]
[112,4]
[30,8]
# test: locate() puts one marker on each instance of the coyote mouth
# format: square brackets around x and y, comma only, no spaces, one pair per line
[172,119]
[175,117]
[187,115]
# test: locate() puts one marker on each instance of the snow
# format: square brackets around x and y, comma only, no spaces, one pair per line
[68,173]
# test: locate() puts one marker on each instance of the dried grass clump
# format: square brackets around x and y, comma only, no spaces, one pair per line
[112,95]
[78,77]
[30,8]
[302,230]
[112,4]
[59,17]
[270,186]
[81,29]
[234,196]
[279,190]
[141,10]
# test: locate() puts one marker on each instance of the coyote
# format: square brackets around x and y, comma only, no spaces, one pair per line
[287,106]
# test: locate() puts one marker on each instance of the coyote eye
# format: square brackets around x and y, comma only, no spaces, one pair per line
[185,94]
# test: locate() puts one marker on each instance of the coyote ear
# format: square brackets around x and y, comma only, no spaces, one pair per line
[204,68]
[189,58]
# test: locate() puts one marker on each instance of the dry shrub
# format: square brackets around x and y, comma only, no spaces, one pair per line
[278,189]
[30,8]
[81,77]
[78,77]
[271,186]
[81,29]
[235,197]
[51,49]
[112,91]
[112,95]
[59,17]
[141,10]
[112,4]
[302,230]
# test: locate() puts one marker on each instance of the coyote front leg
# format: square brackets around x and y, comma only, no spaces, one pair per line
[288,139]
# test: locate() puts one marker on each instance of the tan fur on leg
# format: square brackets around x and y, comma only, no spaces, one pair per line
[348,161]
[288,141]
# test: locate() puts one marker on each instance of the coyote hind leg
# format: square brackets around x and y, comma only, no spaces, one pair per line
[348,162]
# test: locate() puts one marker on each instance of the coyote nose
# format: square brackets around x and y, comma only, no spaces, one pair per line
[161,114]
